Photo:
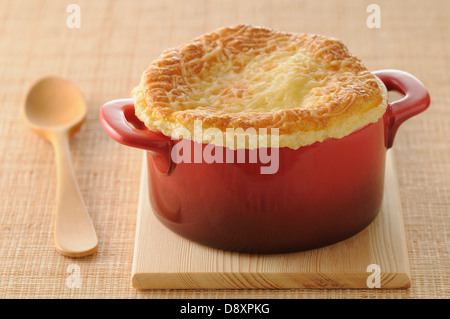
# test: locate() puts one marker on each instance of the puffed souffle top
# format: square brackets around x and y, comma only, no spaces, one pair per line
[241,79]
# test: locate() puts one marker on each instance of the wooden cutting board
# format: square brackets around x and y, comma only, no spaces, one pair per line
[374,258]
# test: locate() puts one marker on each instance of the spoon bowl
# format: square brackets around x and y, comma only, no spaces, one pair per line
[55,109]
[54,104]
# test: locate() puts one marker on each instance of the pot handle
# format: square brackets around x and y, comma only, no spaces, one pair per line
[120,122]
[415,101]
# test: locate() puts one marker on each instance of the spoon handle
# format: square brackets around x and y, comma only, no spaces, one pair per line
[74,232]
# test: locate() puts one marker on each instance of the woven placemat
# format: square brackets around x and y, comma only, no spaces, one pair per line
[105,57]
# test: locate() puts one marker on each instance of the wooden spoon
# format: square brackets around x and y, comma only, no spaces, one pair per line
[55,110]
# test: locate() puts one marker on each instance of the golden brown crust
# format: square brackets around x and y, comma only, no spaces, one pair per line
[214,78]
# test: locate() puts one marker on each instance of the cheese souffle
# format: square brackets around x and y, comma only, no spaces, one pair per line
[307,86]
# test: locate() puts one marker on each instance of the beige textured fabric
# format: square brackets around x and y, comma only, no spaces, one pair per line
[105,57]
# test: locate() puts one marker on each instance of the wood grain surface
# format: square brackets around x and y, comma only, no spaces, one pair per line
[105,57]
[164,260]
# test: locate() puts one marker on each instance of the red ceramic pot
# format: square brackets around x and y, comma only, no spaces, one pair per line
[321,194]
